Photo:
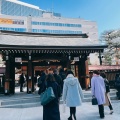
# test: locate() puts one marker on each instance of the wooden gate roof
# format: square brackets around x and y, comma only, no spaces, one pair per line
[19,40]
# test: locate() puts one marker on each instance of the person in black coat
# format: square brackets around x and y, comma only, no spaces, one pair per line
[117,84]
[41,82]
[62,75]
[51,110]
[35,82]
[22,80]
[58,79]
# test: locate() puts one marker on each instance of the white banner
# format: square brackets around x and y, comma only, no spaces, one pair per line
[76,58]
[18,59]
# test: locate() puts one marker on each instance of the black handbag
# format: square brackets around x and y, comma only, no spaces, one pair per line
[94,101]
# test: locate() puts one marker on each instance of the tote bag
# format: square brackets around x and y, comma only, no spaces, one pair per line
[47,96]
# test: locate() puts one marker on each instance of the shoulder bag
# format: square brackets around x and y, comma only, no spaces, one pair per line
[47,96]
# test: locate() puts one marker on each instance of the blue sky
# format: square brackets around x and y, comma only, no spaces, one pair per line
[105,12]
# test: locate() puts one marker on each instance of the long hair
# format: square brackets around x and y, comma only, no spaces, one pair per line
[50,77]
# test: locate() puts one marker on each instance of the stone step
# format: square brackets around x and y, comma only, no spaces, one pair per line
[88,99]
[18,101]
[22,105]
[89,94]
[36,102]
[34,99]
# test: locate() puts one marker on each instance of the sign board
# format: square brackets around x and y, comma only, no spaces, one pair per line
[11,21]
[76,58]
[5,21]
[18,59]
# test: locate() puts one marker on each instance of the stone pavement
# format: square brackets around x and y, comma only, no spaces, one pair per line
[84,112]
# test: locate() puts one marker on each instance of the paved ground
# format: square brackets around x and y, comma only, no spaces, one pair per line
[84,112]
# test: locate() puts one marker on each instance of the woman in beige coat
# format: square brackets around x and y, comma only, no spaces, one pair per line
[108,101]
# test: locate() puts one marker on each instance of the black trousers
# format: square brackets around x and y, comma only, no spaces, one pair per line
[101,110]
[110,106]
[21,87]
[118,93]
[73,112]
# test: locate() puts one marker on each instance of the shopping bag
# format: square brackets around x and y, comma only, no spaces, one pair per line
[64,107]
[47,96]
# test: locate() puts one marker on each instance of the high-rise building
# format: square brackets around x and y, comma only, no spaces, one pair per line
[23,17]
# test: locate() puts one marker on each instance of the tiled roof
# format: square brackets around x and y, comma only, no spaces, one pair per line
[13,38]
[104,67]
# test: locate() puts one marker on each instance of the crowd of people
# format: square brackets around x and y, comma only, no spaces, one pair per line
[66,86]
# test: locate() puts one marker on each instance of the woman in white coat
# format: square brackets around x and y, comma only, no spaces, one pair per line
[72,93]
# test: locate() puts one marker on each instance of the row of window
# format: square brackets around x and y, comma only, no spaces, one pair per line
[10,8]
[13,29]
[56,31]
[42,30]
[56,24]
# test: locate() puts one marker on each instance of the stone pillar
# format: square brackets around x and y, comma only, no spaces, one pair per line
[29,25]
[29,79]
[7,74]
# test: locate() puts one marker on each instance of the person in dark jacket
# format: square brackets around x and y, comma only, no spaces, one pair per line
[35,82]
[41,82]
[62,75]
[117,84]
[58,79]
[22,80]
[107,92]
[51,110]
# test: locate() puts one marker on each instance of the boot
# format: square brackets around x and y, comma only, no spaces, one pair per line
[74,116]
[70,118]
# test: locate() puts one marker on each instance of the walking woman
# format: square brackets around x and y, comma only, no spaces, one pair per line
[51,110]
[107,92]
[98,91]
[72,94]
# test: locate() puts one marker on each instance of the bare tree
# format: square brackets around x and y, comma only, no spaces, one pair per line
[112,39]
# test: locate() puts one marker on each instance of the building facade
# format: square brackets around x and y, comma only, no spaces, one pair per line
[23,17]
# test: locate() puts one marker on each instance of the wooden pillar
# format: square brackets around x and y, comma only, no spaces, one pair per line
[69,62]
[100,58]
[82,70]
[87,78]
[29,79]
[12,74]
[7,74]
